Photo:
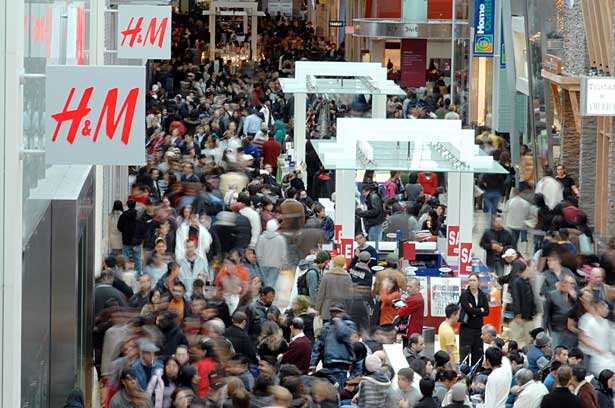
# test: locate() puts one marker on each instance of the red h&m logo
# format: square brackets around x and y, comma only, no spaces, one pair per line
[154,32]
[107,116]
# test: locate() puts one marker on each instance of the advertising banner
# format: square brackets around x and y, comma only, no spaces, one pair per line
[597,96]
[94,115]
[465,258]
[452,240]
[444,291]
[483,28]
[144,32]
[413,62]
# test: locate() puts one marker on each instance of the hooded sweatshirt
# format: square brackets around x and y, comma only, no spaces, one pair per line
[373,390]
[271,249]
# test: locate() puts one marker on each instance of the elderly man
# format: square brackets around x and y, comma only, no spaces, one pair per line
[530,392]
[537,354]
[597,285]
[488,334]
[413,309]
[416,345]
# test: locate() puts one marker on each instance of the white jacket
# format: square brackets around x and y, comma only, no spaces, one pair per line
[255,222]
[498,387]
[181,236]
[531,395]
[552,189]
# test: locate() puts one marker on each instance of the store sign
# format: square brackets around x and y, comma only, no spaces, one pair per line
[336,23]
[465,258]
[347,246]
[483,28]
[144,32]
[597,96]
[452,240]
[282,7]
[94,115]
[409,251]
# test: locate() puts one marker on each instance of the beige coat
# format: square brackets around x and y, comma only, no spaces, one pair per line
[335,287]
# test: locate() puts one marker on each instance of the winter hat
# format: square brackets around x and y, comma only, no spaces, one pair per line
[272,225]
[339,260]
[322,257]
[372,363]
[364,256]
[458,392]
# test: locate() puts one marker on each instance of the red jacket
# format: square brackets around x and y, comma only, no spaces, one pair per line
[271,151]
[205,367]
[415,308]
[430,186]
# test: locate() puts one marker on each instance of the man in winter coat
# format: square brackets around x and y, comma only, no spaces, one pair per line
[173,336]
[271,252]
[334,345]
[495,242]
[132,228]
[335,287]
[362,299]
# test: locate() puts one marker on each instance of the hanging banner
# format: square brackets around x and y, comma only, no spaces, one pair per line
[483,28]
[413,62]
[452,240]
[347,246]
[465,258]
[94,115]
[144,32]
[444,291]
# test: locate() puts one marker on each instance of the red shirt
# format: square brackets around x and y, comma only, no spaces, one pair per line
[271,152]
[142,199]
[415,308]
[430,186]
[204,368]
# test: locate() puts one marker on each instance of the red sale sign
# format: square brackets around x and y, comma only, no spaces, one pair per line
[144,32]
[452,240]
[94,115]
[409,251]
[347,246]
[465,258]
[337,233]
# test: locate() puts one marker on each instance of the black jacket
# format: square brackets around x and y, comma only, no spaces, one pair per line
[257,315]
[173,338]
[132,228]
[502,236]
[241,342]
[427,402]
[560,397]
[374,215]
[472,310]
[523,298]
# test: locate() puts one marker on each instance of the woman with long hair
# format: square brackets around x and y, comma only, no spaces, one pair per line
[115,236]
[130,394]
[271,342]
[389,292]
[155,303]
[169,379]
[188,377]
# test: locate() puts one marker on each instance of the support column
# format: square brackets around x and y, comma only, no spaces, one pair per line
[460,209]
[587,165]
[254,38]
[212,34]
[344,201]
[570,134]
[299,128]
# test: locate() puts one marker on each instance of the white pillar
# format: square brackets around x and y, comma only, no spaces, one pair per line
[254,37]
[460,209]
[212,33]
[11,125]
[299,128]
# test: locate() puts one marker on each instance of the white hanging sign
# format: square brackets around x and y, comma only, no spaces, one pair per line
[144,32]
[95,115]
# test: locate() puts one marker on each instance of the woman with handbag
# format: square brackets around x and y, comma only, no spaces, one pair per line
[474,306]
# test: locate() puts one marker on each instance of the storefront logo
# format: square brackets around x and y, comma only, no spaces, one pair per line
[483,30]
[144,32]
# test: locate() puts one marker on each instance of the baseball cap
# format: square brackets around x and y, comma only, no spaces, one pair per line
[509,253]
[337,307]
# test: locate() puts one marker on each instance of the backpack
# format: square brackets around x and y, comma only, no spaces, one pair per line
[302,285]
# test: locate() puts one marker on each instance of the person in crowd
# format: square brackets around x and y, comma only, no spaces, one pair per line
[561,396]
[326,223]
[571,191]
[132,227]
[405,395]
[523,307]
[495,241]
[308,281]
[604,388]
[474,307]
[529,392]
[374,386]
[194,231]
[414,348]
[141,298]
[373,215]
[333,346]
[147,364]
[390,294]
[413,309]
[427,386]
[131,394]
[300,348]
[362,300]
[271,252]
[499,380]
[582,388]
[105,292]
[271,343]
[446,333]
[115,235]
[558,305]
[537,354]
[517,211]
[362,245]
[550,188]
[193,265]
[335,287]
[261,311]
[596,339]
[236,334]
